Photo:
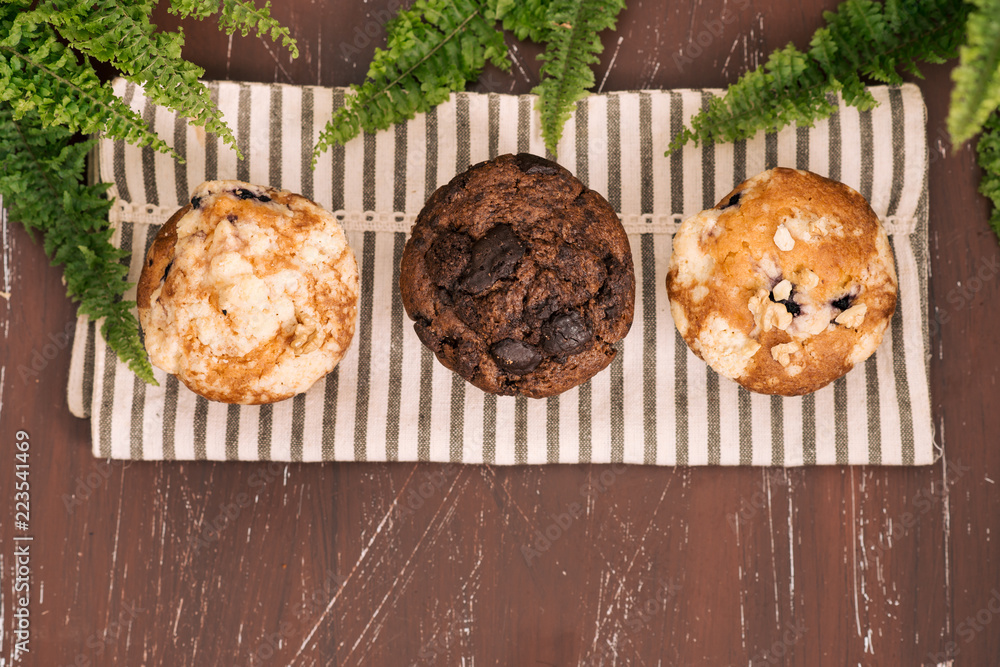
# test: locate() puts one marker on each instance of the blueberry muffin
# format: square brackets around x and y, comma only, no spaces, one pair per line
[248,294]
[519,278]
[785,285]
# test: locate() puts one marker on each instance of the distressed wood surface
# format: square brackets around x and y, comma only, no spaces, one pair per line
[406,564]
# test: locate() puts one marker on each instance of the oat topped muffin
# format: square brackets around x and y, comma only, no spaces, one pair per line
[248,294]
[785,285]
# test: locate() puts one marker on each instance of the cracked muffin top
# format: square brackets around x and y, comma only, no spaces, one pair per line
[519,278]
[248,294]
[785,285]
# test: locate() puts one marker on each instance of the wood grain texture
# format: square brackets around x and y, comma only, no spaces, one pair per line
[375,564]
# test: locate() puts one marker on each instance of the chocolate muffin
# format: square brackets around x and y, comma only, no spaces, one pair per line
[519,278]
[248,294]
[785,285]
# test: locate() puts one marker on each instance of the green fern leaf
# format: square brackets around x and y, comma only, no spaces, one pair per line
[244,16]
[573,46]
[432,49]
[988,156]
[527,19]
[196,9]
[41,188]
[977,78]
[119,33]
[862,39]
[38,74]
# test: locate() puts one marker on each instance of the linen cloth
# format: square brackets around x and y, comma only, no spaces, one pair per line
[390,400]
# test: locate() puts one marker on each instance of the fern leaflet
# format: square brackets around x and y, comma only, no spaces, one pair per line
[433,48]
[42,189]
[245,16]
[988,154]
[573,46]
[977,78]
[38,74]
[862,38]
[119,33]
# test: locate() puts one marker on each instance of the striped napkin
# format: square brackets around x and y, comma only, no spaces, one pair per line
[390,400]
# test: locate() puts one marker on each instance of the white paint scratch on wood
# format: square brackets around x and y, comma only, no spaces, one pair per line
[614,57]
[622,576]
[791,550]
[694,13]
[7,263]
[3,604]
[177,619]
[732,49]
[854,553]
[277,62]
[449,509]
[361,557]
[516,60]
[946,509]
[114,551]
[774,555]
[860,522]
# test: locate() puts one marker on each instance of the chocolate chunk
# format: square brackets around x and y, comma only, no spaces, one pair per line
[532,164]
[231,217]
[447,258]
[495,256]
[516,357]
[733,201]
[788,303]
[225,312]
[843,303]
[195,202]
[263,199]
[565,333]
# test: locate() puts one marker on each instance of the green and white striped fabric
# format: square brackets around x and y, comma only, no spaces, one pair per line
[390,400]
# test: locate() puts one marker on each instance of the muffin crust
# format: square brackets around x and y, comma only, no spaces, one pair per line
[248,294]
[519,278]
[785,285]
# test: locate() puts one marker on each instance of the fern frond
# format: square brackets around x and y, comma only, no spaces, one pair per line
[39,74]
[988,156]
[573,46]
[196,9]
[527,19]
[42,189]
[244,16]
[977,78]
[119,33]
[433,48]
[862,39]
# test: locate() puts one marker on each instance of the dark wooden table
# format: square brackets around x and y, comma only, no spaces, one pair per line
[831,566]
